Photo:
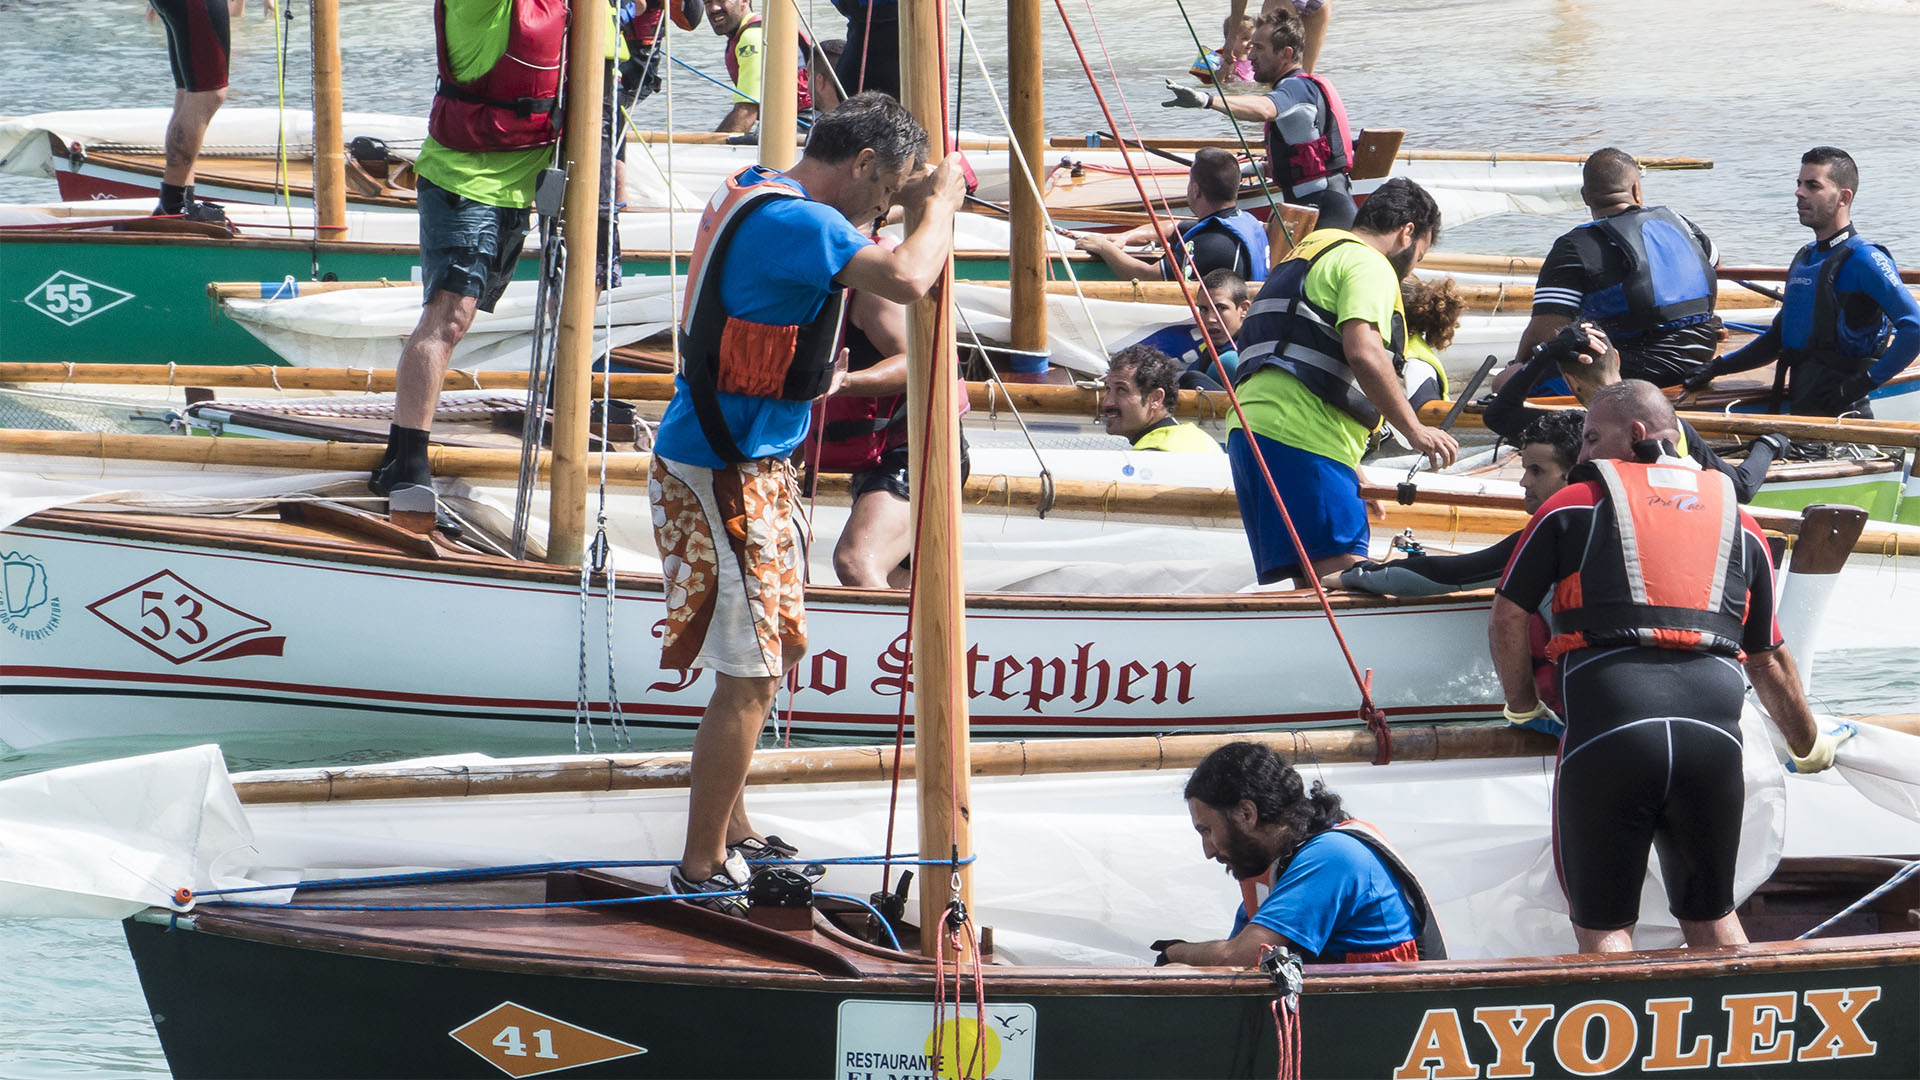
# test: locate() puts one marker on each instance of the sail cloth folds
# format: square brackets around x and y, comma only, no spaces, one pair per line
[108,839]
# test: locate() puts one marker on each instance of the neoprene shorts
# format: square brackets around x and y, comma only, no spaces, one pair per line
[198,42]
[1651,759]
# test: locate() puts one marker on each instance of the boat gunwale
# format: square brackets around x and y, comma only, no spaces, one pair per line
[883,975]
[181,531]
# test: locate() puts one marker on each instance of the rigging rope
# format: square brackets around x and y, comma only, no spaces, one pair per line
[1370,713]
[1262,174]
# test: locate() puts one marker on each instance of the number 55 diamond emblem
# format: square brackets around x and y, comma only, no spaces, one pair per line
[70,299]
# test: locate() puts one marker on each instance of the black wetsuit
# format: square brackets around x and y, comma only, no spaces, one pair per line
[1508,415]
[1652,752]
[198,42]
[1431,575]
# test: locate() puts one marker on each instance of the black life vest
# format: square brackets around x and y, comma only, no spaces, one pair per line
[1287,331]
[722,354]
[513,106]
[1669,278]
[1427,938]
[856,431]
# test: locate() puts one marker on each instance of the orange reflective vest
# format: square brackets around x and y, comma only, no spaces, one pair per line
[1427,943]
[1661,567]
[722,354]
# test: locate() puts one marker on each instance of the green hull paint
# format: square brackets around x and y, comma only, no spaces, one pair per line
[166,315]
[1879,497]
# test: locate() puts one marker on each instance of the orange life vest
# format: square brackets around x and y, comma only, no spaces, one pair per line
[722,354]
[1427,943]
[1661,567]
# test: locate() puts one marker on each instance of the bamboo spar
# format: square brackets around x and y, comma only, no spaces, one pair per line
[1027,241]
[586,82]
[941,732]
[778,75]
[329,139]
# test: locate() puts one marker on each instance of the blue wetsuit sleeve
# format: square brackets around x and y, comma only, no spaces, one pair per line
[1754,353]
[1880,279]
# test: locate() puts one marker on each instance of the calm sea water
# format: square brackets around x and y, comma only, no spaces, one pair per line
[1751,84]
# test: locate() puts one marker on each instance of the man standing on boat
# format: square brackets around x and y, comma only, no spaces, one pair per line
[1848,324]
[1314,881]
[871,59]
[1583,357]
[494,122]
[1320,360]
[198,45]
[761,321]
[1223,238]
[736,21]
[1644,274]
[1143,387]
[1662,596]
[1309,144]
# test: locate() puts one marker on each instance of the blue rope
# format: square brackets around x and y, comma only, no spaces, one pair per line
[728,87]
[1748,328]
[874,911]
[483,873]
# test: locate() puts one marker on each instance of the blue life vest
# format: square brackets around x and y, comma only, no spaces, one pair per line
[1670,278]
[1827,337]
[1245,229]
[1285,330]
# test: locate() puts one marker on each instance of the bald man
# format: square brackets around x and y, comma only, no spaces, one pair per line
[1643,273]
[1655,638]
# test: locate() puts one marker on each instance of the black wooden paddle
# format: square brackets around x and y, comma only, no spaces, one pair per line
[1406,491]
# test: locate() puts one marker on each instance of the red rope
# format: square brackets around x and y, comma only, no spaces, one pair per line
[1369,713]
[866,42]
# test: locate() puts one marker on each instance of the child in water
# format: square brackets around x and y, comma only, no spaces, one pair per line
[1231,58]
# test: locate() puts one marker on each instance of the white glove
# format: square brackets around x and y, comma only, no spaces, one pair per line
[1820,758]
[1541,719]
[1185,97]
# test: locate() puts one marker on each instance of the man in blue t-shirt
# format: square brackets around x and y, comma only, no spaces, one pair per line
[766,266]
[1317,883]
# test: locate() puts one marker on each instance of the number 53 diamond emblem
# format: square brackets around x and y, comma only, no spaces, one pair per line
[181,622]
[69,299]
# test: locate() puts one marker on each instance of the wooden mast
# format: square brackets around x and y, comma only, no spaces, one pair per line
[329,140]
[586,82]
[1027,242]
[942,761]
[779,67]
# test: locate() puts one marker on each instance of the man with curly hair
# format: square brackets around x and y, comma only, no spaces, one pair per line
[1316,882]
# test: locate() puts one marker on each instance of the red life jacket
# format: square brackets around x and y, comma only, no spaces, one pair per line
[1681,522]
[1331,153]
[733,63]
[722,354]
[643,28]
[1427,943]
[856,431]
[512,106]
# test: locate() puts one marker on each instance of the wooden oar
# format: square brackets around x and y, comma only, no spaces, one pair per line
[1439,511]
[875,764]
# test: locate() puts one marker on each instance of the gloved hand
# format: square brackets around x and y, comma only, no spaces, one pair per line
[1185,97]
[1540,719]
[1820,758]
[1161,947]
[1698,380]
[1778,442]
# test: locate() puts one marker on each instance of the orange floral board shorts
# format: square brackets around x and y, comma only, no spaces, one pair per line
[731,555]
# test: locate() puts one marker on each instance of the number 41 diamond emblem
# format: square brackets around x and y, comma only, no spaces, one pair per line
[69,299]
